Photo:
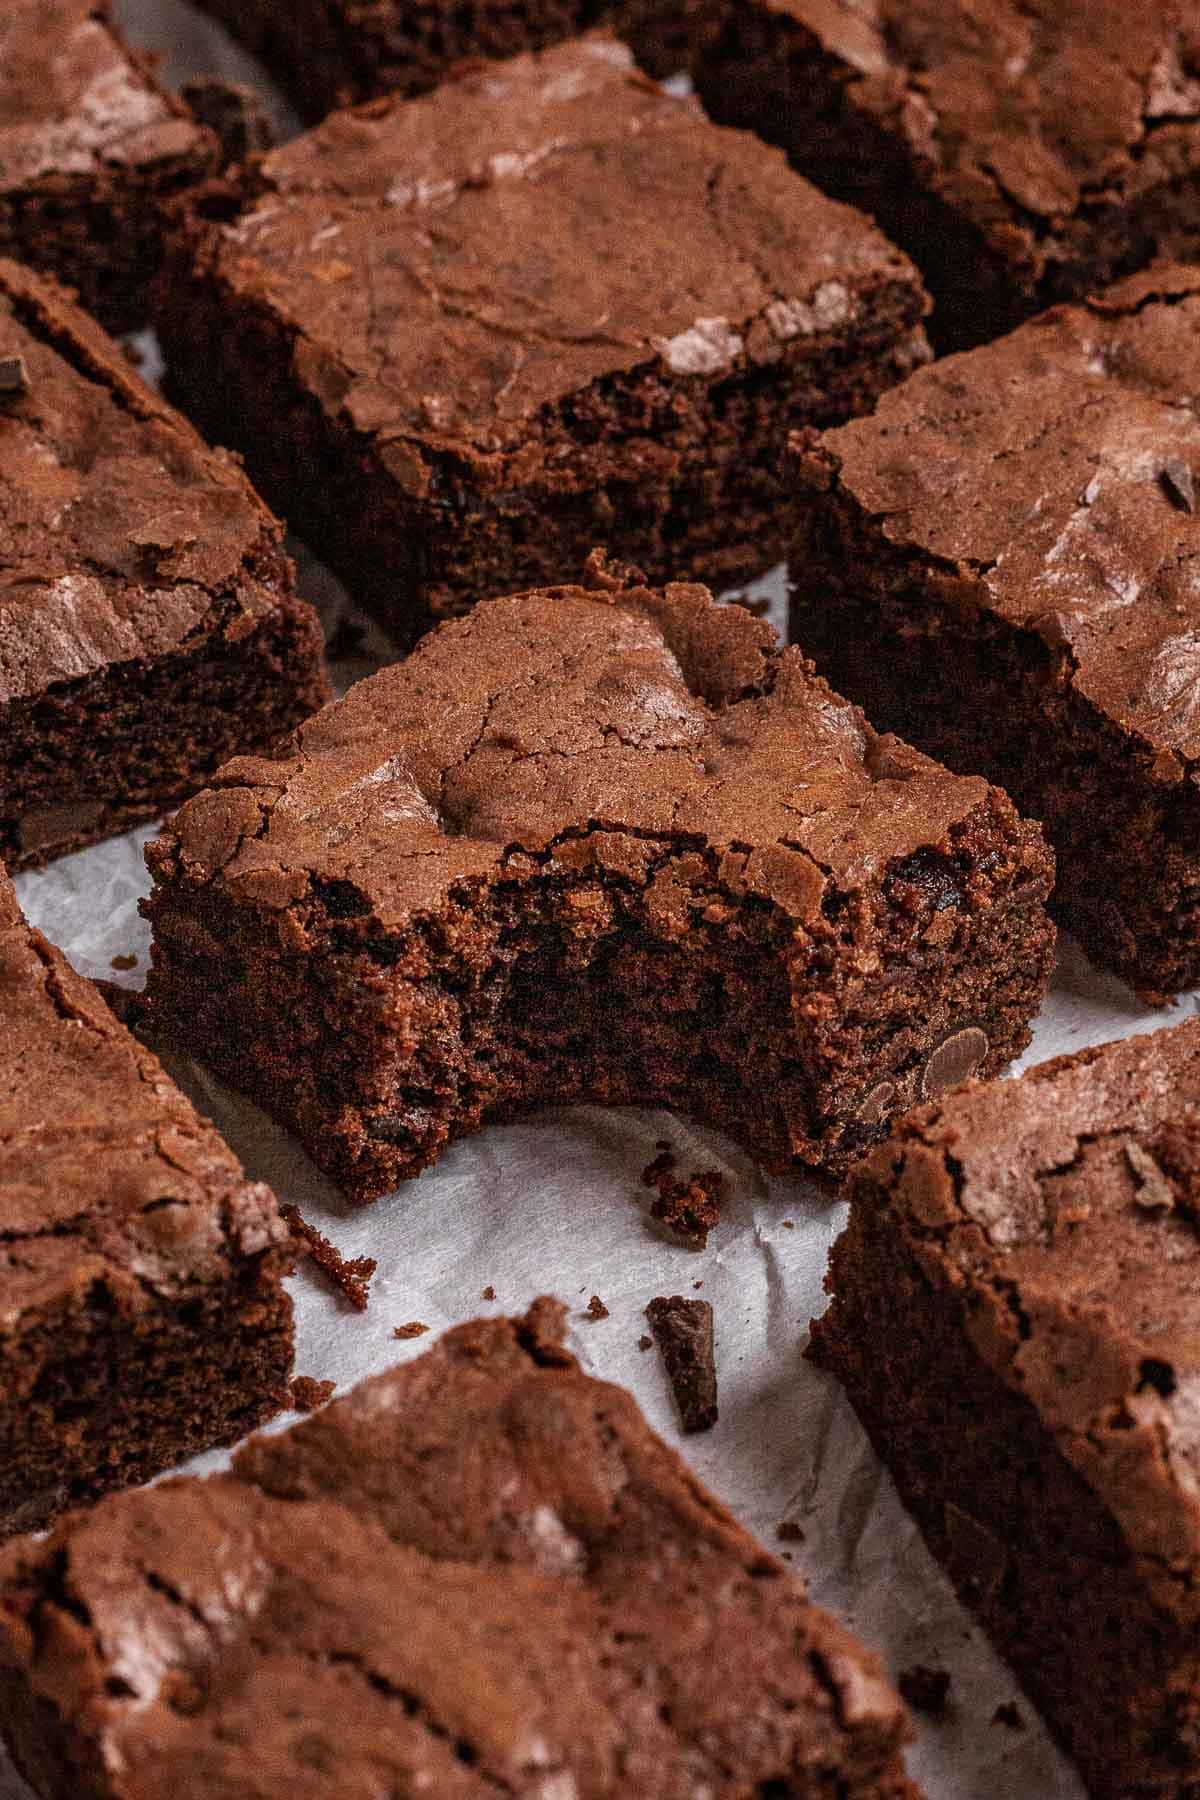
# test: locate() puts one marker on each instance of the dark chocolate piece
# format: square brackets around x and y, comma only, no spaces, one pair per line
[455,369]
[92,152]
[683,1330]
[144,1317]
[149,625]
[925,1689]
[609,845]
[478,1574]
[1019,1332]
[1022,154]
[235,113]
[1015,587]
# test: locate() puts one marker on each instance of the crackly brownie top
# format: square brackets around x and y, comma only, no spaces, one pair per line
[121,533]
[451,264]
[73,101]
[108,1176]
[616,712]
[1058,471]
[1065,1208]
[479,1573]
[1022,112]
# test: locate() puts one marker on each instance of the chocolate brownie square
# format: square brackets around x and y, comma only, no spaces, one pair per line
[149,627]
[478,1574]
[1022,153]
[330,53]
[1004,566]
[609,845]
[1016,1317]
[462,339]
[91,150]
[140,1272]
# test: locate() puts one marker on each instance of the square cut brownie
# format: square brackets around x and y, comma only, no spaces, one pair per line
[1022,151]
[1003,565]
[91,150]
[149,628]
[331,53]
[461,339]
[480,1573]
[608,845]
[1016,1317]
[142,1315]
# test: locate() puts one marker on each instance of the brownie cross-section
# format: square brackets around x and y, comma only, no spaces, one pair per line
[142,1316]
[92,151]
[607,844]
[477,1574]
[1016,1317]
[462,339]
[1004,566]
[1021,153]
[149,626]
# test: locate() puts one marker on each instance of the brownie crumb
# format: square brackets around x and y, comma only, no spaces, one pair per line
[123,962]
[308,1394]
[926,1690]
[788,1224]
[690,1207]
[235,113]
[790,1531]
[684,1331]
[414,1329]
[351,1275]
[489,1292]
[596,1308]
[1009,1714]
[14,375]
[644,1342]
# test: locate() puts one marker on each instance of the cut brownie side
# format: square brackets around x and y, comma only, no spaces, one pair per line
[478,1574]
[91,150]
[607,845]
[1003,565]
[149,627]
[140,1272]
[1021,154]
[1016,1319]
[462,339]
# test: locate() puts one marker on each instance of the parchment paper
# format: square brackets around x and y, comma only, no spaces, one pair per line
[555,1204]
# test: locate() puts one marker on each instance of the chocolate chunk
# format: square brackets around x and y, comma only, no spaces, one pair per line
[926,1690]
[684,1333]
[1154,1192]
[14,375]
[1177,479]
[955,1058]
[875,1106]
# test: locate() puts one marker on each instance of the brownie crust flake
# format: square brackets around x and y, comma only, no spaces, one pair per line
[142,1316]
[479,1573]
[605,844]
[1015,1317]
[149,626]
[1015,587]
[462,339]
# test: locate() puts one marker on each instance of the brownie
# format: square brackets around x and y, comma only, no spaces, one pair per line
[1024,153]
[330,53]
[461,339]
[91,151]
[149,627]
[1003,565]
[142,1316]
[1016,1317]
[480,1573]
[608,845]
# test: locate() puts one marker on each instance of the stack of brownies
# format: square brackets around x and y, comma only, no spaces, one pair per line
[534,354]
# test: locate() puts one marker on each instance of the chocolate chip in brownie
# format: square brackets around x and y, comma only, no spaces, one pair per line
[955,1058]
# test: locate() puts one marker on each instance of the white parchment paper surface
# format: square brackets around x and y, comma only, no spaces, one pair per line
[555,1205]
